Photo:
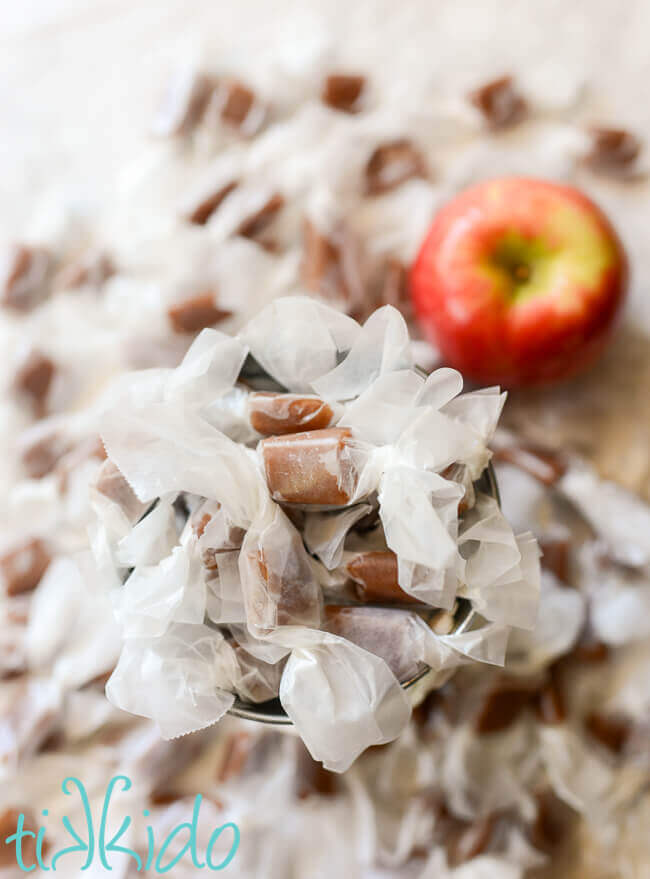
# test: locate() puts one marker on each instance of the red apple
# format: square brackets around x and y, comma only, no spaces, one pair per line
[518,281]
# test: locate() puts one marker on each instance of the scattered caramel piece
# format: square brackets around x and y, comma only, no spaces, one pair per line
[276,414]
[114,486]
[330,265]
[310,468]
[470,840]
[343,92]
[23,566]
[24,277]
[196,314]
[544,465]
[555,557]
[552,822]
[499,102]
[611,730]
[312,777]
[8,823]
[33,380]
[236,105]
[613,150]
[91,269]
[184,103]
[202,208]
[375,574]
[503,703]
[391,164]
[256,223]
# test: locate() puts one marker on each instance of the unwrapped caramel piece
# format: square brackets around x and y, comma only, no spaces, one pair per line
[114,486]
[33,380]
[499,102]
[375,574]
[25,276]
[196,314]
[310,468]
[613,150]
[184,103]
[204,205]
[253,225]
[342,91]
[391,164]
[276,414]
[23,566]
[8,824]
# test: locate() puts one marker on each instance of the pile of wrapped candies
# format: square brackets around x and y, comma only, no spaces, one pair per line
[298,511]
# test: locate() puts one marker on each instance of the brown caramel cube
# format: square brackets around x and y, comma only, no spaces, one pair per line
[202,208]
[23,566]
[33,380]
[499,102]
[375,574]
[392,164]
[611,730]
[25,276]
[343,92]
[238,100]
[275,414]
[196,314]
[253,226]
[613,150]
[310,468]
[503,703]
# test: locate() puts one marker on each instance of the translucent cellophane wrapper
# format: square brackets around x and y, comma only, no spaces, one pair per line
[394,438]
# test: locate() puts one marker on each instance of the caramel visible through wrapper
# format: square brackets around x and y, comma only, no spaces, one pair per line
[23,566]
[375,574]
[279,414]
[310,468]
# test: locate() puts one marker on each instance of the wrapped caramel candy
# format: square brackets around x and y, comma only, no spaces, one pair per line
[315,468]
[277,414]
